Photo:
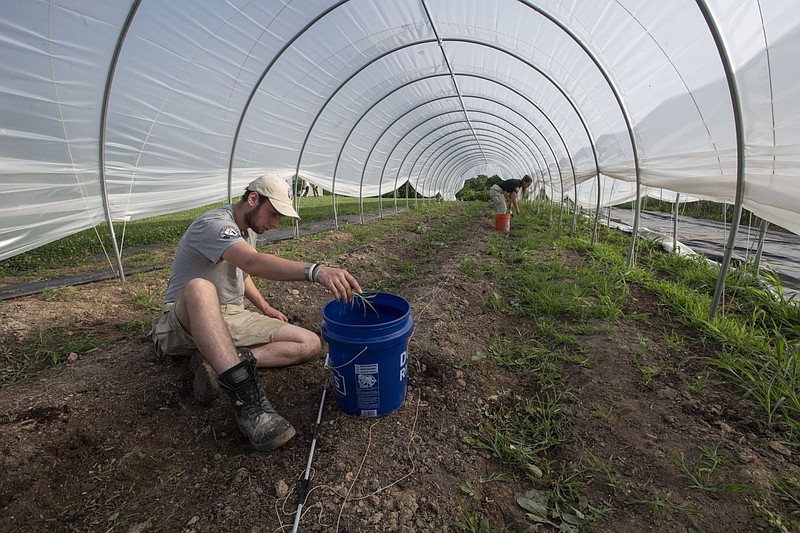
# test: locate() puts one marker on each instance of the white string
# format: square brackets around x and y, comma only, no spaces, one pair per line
[355,478]
[328,360]
[411,439]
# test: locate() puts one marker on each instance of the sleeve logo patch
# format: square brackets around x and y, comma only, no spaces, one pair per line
[229,232]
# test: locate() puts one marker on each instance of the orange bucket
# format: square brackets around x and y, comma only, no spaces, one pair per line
[502,222]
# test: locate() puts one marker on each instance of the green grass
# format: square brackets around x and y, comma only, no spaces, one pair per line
[83,247]
[758,334]
[705,472]
[91,245]
[562,283]
[44,348]
[660,503]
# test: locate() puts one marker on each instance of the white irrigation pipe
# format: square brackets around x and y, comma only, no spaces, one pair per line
[302,491]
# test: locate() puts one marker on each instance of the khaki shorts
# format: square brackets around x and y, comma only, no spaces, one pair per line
[247,328]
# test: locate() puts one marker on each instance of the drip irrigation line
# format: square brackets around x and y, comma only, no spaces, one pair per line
[302,489]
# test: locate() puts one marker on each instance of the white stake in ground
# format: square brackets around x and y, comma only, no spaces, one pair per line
[302,490]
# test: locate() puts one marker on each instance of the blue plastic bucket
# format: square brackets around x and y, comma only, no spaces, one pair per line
[368,352]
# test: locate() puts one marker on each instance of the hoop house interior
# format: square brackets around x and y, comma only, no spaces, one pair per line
[128,109]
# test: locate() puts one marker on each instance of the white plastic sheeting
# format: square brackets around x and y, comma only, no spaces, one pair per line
[121,110]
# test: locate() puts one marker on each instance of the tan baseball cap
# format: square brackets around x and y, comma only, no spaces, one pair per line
[277,190]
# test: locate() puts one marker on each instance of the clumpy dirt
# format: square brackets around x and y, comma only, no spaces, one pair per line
[113,441]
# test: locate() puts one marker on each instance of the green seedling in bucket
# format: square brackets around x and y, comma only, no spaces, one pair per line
[365,298]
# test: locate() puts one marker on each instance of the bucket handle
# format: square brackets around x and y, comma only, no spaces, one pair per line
[328,360]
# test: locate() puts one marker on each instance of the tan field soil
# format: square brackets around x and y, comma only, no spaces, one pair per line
[113,441]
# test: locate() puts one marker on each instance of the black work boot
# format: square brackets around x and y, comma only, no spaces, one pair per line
[256,417]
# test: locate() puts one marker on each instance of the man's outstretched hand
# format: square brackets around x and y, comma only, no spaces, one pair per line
[340,282]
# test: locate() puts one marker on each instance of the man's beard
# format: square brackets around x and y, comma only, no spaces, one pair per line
[248,217]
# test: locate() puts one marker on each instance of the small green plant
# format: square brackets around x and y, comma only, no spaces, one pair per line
[492,477]
[660,503]
[468,265]
[364,300]
[780,523]
[641,348]
[649,372]
[56,293]
[137,325]
[146,298]
[699,382]
[613,479]
[674,340]
[702,473]
[789,489]
[470,491]
[473,359]
[544,507]
[473,522]
[495,302]
[605,413]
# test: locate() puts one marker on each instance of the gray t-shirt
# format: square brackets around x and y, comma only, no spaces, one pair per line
[199,255]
